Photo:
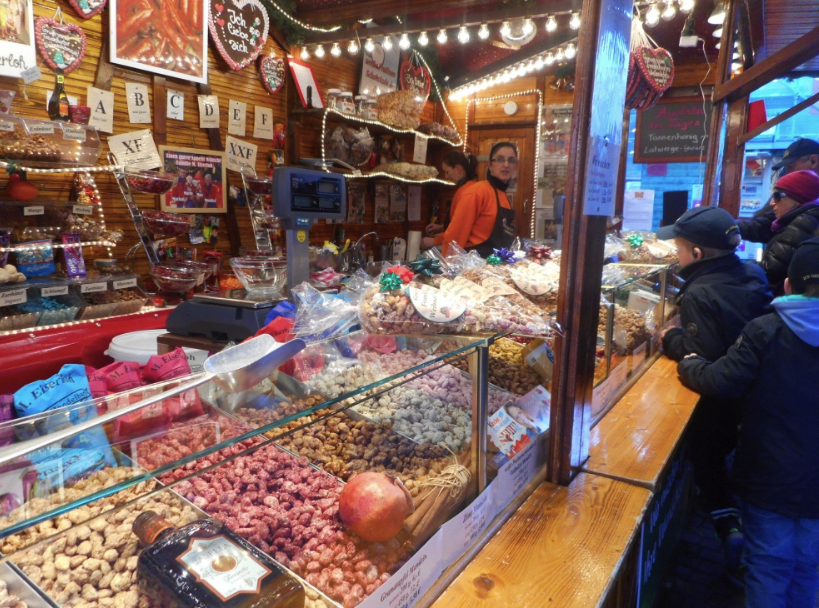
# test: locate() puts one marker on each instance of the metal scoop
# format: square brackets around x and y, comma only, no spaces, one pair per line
[235,369]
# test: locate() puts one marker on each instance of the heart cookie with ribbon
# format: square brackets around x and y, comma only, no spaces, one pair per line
[88,8]
[271,72]
[239,30]
[62,45]
[415,79]
[657,67]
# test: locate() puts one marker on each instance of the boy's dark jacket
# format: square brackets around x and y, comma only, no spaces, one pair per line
[774,365]
[720,296]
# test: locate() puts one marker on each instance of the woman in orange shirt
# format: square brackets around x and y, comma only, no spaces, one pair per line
[483,219]
[459,168]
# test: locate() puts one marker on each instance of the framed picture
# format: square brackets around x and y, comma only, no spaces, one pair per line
[200,186]
[17,38]
[178,42]
[305,84]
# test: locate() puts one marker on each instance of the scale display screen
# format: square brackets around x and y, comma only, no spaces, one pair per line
[307,192]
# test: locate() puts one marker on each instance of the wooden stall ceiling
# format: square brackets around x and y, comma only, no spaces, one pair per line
[787,20]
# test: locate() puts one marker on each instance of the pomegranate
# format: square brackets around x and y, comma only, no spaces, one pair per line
[374,506]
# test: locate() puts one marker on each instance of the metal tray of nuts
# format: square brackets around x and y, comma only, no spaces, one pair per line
[18,584]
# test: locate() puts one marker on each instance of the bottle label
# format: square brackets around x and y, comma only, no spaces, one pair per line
[223,566]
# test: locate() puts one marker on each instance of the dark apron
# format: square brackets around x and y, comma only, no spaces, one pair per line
[503,232]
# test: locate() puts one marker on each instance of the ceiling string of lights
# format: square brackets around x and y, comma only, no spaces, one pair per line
[462,34]
[653,11]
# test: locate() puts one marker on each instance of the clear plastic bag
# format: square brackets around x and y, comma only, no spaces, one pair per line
[321,316]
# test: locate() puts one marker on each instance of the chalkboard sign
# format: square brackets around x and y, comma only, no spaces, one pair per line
[674,130]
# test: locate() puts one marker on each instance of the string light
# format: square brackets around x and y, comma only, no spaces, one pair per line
[559,55]
[387,44]
[653,15]
[528,27]
[551,24]
[369,46]
[539,63]
[574,22]
[686,6]
[571,51]
[302,24]
[483,33]
[669,12]
[320,51]
[463,35]
[423,39]
[305,54]
[506,29]
[438,92]
[352,48]
[335,51]
[442,37]
[98,322]
[550,58]
[404,41]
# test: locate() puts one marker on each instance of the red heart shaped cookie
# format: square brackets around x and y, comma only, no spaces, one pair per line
[88,8]
[62,45]
[239,31]
[271,72]
[657,67]
[416,79]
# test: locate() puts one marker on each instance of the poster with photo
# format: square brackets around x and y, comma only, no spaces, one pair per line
[356,199]
[398,202]
[161,36]
[200,186]
[16,37]
[379,69]
[382,203]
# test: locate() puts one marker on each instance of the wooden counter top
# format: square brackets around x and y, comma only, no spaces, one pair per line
[635,441]
[562,548]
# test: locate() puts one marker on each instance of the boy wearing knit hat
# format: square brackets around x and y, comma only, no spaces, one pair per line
[720,295]
[795,219]
[773,367]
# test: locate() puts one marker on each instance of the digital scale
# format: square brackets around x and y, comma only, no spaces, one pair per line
[300,197]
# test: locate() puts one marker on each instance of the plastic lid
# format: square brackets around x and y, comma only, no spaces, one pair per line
[138,346]
[333,91]
[346,94]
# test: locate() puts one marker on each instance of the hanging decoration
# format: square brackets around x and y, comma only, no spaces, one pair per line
[271,72]
[88,8]
[390,281]
[62,45]
[239,29]
[413,76]
[650,70]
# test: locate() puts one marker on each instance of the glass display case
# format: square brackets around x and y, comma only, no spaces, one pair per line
[269,462]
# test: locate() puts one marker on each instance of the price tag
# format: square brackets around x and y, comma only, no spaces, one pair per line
[639,356]
[12,297]
[515,474]
[30,75]
[33,210]
[497,287]
[43,129]
[529,282]
[73,133]
[93,287]
[464,529]
[6,126]
[419,152]
[83,209]
[435,306]
[60,290]
[125,283]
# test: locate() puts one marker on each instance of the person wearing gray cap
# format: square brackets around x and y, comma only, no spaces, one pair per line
[801,155]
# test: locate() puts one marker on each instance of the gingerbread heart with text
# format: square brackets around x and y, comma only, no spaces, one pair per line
[657,67]
[415,79]
[62,45]
[271,72]
[239,30]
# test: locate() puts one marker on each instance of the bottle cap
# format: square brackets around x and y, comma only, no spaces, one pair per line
[148,526]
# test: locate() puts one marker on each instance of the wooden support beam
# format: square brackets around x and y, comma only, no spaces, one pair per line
[471,18]
[379,9]
[733,158]
[775,66]
[160,97]
[745,39]
[802,105]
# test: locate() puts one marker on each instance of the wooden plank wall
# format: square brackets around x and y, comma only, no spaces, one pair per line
[226,84]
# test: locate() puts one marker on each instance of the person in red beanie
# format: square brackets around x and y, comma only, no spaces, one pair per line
[795,219]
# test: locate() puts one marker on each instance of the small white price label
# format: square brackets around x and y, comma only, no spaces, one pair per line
[34,210]
[73,133]
[15,296]
[60,290]
[6,126]
[30,75]
[93,287]
[43,129]
[125,283]
[83,209]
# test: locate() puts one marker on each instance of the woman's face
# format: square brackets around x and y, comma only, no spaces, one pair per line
[453,174]
[782,203]
[504,163]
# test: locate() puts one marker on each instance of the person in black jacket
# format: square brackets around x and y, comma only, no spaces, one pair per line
[720,295]
[774,367]
[795,218]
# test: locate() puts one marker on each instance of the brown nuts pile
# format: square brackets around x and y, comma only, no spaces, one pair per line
[7,600]
[19,145]
[630,329]
[507,369]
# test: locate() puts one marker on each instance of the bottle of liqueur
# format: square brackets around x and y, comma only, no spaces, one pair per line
[58,104]
[205,565]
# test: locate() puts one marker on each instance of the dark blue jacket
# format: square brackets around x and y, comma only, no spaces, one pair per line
[719,297]
[774,366]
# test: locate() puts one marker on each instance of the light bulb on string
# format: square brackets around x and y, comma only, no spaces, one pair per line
[506,29]
[530,67]
[539,63]
[441,38]
[571,51]
[669,12]
[369,46]
[652,15]
[483,33]
[305,54]
[528,27]
[559,56]
[506,77]
[574,22]
[387,44]
[320,51]
[335,50]
[550,58]
[352,48]
[463,35]
[404,42]
[686,6]
[551,24]
[423,39]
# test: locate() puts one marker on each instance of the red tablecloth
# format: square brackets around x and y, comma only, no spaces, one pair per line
[30,356]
